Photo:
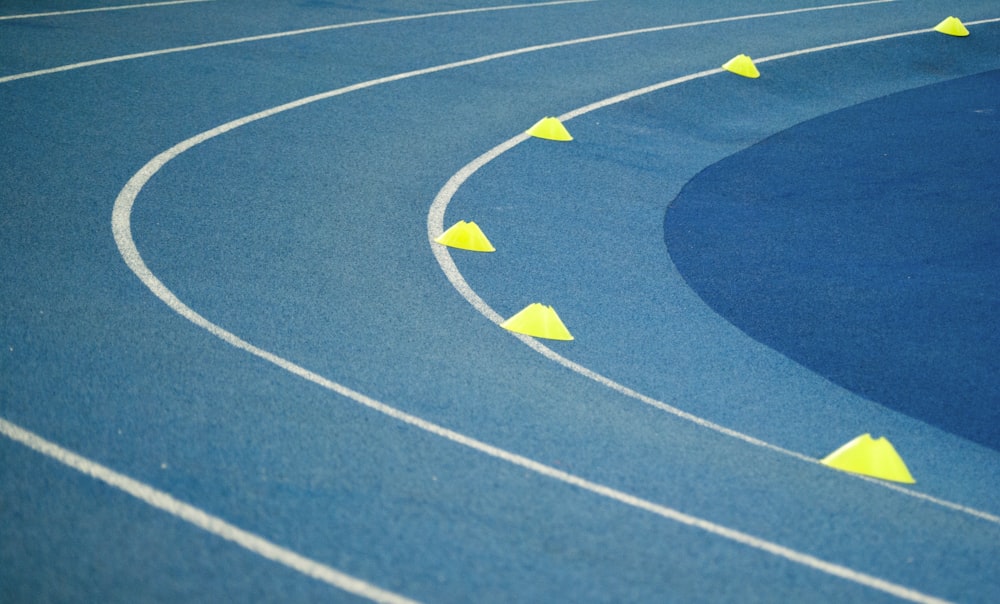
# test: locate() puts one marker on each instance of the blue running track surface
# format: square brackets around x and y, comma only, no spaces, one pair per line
[235,367]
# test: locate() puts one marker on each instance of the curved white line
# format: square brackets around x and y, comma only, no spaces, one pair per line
[98,10]
[121,227]
[435,226]
[200,518]
[284,34]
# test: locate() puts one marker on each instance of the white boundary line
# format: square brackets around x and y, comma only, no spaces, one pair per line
[98,10]
[435,226]
[121,227]
[200,518]
[284,34]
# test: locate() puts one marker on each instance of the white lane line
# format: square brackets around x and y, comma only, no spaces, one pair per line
[121,227]
[200,518]
[435,226]
[98,10]
[284,34]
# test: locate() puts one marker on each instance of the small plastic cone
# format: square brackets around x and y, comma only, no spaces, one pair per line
[466,236]
[742,65]
[870,457]
[550,128]
[539,321]
[952,27]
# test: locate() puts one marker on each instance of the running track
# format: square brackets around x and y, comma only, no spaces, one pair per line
[220,301]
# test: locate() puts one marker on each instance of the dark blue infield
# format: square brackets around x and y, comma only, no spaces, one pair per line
[865,245]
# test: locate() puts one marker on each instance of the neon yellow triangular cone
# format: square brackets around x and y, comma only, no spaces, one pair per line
[875,458]
[539,321]
[466,236]
[742,65]
[550,128]
[953,27]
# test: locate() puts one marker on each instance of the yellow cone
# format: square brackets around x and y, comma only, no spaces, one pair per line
[551,129]
[953,27]
[539,321]
[875,458]
[742,65]
[466,236]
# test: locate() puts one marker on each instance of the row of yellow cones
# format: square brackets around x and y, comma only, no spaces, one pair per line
[744,66]
[542,321]
[863,455]
[536,320]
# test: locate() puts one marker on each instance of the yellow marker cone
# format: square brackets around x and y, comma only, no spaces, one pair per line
[466,236]
[551,129]
[539,321]
[875,458]
[953,27]
[742,65]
